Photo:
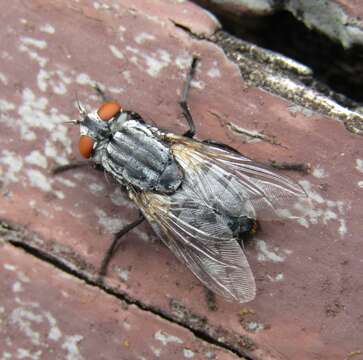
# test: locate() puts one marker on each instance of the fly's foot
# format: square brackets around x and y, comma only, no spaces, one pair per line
[117,238]
[211,300]
[300,167]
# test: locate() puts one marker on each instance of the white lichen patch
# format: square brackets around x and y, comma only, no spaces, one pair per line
[3,79]
[214,72]
[157,62]
[119,198]
[54,333]
[101,5]
[359,165]
[84,79]
[50,150]
[47,28]
[29,46]
[342,227]
[5,106]
[34,114]
[40,44]
[156,351]
[96,188]
[71,346]
[210,355]
[143,37]
[319,172]
[183,60]
[6,355]
[33,322]
[360,184]
[254,326]
[25,320]
[278,277]
[126,325]
[123,274]
[154,62]
[36,158]
[22,277]
[65,182]
[197,84]
[9,267]
[11,164]
[116,52]
[116,90]
[166,338]
[188,354]
[27,354]
[111,224]
[127,76]
[42,79]
[39,180]
[56,80]
[144,236]
[17,287]
[323,211]
[265,253]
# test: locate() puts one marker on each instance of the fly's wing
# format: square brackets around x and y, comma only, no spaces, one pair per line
[200,238]
[236,184]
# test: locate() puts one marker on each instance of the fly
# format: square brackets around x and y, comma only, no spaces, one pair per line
[200,197]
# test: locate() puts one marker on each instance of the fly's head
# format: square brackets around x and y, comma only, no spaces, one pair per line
[96,127]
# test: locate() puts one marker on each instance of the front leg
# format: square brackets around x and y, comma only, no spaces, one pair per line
[74,165]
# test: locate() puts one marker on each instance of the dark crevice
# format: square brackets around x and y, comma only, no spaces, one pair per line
[17,236]
[335,68]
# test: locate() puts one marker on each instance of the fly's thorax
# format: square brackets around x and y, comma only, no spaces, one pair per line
[136,154]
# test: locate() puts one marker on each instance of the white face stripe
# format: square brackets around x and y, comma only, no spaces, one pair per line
[84,130]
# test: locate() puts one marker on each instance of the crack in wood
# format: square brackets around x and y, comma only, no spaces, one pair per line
[239,345]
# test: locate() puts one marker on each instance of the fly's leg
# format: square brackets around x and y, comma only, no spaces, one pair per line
[299,167]
[221,146]
[116,243]
[183,102]
[74,165]
[101,93]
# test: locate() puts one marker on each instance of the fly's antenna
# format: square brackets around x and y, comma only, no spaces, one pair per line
[82,111]
[74,122]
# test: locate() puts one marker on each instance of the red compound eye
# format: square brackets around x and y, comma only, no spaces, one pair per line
[108,110]
[85,146]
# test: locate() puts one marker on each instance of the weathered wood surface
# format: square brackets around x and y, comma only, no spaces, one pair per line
[308,303]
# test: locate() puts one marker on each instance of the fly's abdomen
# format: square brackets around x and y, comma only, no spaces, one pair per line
[135,156]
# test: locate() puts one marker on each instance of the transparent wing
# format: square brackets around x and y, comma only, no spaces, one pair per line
[201,239]
[236,184]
